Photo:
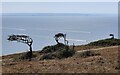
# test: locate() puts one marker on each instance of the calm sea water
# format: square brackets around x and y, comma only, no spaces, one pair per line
[80,29]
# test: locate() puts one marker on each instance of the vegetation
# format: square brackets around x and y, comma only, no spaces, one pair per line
[103,60]
[112,36]
[53,48]
[57,51]
[98,44]
[23,39]
[23,56]
[106,42]
[26,56]
[106,62]
[87,54]
[58,36]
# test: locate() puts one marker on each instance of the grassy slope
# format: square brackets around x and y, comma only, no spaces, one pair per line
[103,63]
[99,43]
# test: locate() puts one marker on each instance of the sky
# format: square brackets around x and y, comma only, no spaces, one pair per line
[59,7]
[59,0]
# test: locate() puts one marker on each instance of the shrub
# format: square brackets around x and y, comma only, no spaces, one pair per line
[106,42]
[58,51]
[58,55]
[47,49]
[47,56]
[64,53]
[50,49]
[24,56]
[87,54]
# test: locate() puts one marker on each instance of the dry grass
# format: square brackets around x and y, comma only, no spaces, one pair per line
[85,47]
[103,63]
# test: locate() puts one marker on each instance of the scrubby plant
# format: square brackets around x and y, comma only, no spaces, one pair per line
[23,39]
[57,47]
[58,51]
[65,53]
[26,56]
[58,36]
[105,42]
[87,54]
[23,56]
[58,54]
[47,49]
[112,36]
[46,56]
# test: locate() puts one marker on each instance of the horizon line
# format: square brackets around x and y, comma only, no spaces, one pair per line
[52,14]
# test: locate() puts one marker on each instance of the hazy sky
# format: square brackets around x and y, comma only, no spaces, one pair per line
[60,7]
[59,0]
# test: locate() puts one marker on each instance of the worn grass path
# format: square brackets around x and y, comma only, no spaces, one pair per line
[98,48]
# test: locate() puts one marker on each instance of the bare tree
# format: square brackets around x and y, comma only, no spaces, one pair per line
[112,36]
[24,39]
[60,35]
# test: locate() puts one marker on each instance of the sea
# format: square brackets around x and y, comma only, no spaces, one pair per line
[79,28]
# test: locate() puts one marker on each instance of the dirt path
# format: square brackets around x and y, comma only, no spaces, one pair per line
[98,48]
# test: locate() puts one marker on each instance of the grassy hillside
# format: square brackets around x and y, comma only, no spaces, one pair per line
[100,43]
[104,62]
[105,42]
[63,59]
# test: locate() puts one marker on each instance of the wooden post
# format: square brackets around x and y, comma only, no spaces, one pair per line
[73,46]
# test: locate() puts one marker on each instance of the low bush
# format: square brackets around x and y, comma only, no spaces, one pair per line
[106,42]
[47,56]
[24,56]
[47,49]
[53,48]
[60,51]
[64,53]
[58,55]
[87,54]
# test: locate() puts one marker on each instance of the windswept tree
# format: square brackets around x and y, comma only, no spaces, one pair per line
[60,35]
[23,39]
[112,36]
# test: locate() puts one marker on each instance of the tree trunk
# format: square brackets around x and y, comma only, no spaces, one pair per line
[64,38]
[30,52]
[73,46]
